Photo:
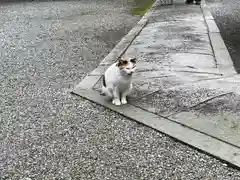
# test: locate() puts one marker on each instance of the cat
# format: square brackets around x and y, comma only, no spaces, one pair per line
[117,80]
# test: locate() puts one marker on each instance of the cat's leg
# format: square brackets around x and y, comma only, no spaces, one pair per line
[116,97]
[125,94]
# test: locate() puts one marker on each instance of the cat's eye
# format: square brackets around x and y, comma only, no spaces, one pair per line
[133,60]
[123,62]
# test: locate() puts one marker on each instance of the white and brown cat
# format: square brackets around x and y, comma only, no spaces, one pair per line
[117,80]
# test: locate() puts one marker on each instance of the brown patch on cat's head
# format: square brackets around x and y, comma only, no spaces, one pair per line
[123,62]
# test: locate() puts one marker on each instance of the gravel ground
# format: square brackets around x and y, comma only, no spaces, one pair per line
[46,133]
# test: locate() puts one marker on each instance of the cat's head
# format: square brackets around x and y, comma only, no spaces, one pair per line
[127,66]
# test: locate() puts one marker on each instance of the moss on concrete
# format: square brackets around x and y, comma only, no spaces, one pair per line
[142,6]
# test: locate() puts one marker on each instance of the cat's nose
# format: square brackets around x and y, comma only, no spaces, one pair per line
[130,73]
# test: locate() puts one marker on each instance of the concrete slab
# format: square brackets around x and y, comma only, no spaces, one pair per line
[158,61]
[218,117]
[177,12]
[145,88]
[233,79]
[148,66]
[187,26]
[168,101]
[88,82]
[154,41]
[186,59]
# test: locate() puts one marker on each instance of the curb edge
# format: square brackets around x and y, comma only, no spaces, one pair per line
[222,56]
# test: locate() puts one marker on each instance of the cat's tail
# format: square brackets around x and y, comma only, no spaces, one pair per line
[106,91]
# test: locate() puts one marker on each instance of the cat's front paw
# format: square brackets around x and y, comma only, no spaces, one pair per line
[116,102]
[124,101]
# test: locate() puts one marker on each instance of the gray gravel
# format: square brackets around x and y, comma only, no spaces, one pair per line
[46,133]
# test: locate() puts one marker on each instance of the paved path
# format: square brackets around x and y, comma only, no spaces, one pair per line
[185,85]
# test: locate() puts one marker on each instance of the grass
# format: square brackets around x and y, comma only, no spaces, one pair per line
[142,6]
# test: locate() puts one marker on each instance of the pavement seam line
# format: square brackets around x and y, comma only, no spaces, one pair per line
[200,103]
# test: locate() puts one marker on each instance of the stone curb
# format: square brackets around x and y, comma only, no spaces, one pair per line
[223,59]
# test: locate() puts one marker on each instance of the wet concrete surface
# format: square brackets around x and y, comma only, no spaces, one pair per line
[178,12]
[212,103]
[217,115]
[227,17]
[167,101]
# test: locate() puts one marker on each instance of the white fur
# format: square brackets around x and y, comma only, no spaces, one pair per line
[118,83]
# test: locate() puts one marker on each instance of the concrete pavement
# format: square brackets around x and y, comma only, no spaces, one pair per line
[185,85]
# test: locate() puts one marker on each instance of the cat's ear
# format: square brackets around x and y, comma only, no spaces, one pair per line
[133,60]
[121,62]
